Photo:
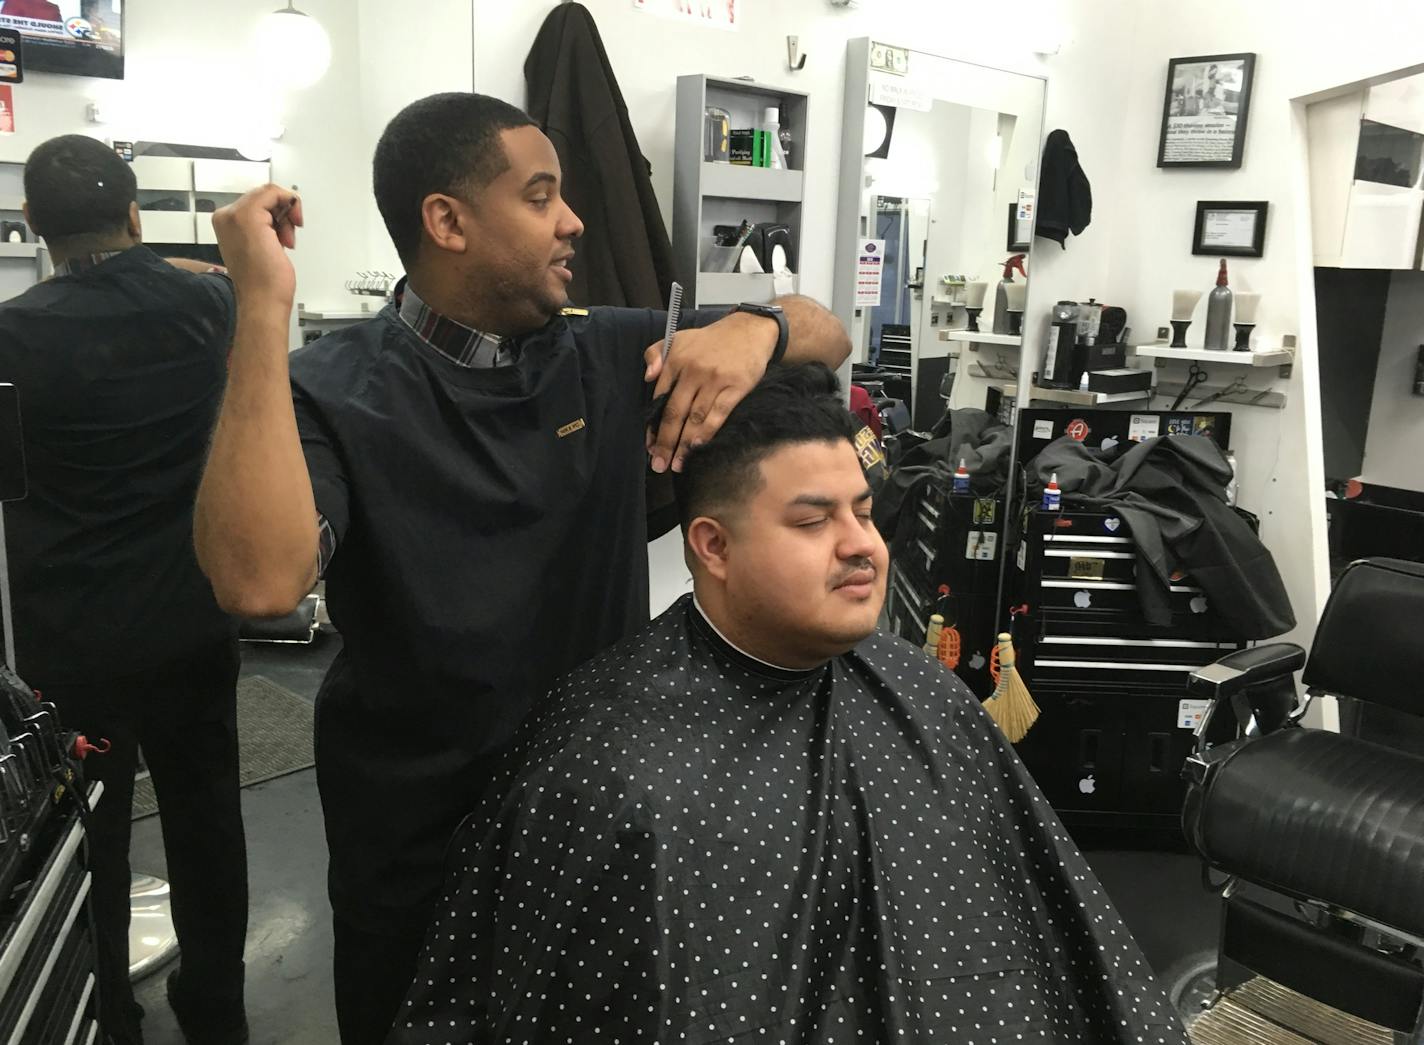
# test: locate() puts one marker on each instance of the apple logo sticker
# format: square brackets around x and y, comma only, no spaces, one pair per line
[1110,443]
[1199,604]
[1087,785]
[1083,599]
[976,662]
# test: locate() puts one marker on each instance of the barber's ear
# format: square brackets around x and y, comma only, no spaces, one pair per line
[135,222]
[707,540]
[444,223]
[25,211]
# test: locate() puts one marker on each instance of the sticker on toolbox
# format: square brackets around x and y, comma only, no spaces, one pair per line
[1023,555]
[1179,426]
[981,545]
[985,510]
[1086,568]
[1112,524]
[1078,429]
[1043,429]
[1190,713]
[1199,604]
[1143,426]
[1083,599]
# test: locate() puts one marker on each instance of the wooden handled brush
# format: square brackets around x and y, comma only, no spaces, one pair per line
[1012,705]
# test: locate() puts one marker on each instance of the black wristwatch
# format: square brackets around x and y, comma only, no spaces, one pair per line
[770,312]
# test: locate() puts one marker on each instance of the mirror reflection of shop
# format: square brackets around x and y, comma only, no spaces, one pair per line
[903,225]
[1367,201]
[938,158]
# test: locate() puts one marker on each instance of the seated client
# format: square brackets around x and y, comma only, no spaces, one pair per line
[762,820]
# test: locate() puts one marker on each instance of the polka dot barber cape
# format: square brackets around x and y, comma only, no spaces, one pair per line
[694,847]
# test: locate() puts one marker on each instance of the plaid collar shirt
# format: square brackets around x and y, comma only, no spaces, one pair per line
[462,345]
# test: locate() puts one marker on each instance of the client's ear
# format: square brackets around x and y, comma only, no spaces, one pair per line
[707,541]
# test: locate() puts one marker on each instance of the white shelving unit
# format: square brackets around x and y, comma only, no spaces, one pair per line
[967,337]
[191,181]
[1263,357]
[19,250]
[707,194]
[1075,397]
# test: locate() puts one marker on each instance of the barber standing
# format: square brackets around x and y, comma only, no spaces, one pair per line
[466,471]
[119,363]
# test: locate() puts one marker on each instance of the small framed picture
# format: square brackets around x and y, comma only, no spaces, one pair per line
[1205,110]
[1230,229]
[1020,230]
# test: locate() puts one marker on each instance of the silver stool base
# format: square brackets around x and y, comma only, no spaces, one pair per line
[153,942]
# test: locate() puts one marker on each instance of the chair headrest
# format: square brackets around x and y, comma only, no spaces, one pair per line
[1368,645]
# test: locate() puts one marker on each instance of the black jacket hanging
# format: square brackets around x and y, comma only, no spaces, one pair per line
[625,257]
[1065,199]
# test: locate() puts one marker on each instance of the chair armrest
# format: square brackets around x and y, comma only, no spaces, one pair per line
[1245,669]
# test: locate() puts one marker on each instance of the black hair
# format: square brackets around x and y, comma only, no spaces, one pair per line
[446,143]
[77,186]
[792,404]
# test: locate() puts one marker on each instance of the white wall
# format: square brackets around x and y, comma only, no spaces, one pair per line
[407,51]
[1303,48]
[648,53]
[1396,432]
[189,79]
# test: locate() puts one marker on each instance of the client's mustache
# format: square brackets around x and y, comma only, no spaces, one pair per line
[858,566]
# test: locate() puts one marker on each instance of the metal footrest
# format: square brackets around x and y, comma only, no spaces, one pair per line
[1261,1012]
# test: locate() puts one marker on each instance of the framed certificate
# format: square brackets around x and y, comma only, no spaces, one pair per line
[1229,229]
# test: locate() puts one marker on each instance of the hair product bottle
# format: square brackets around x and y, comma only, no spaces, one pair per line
[1218,314]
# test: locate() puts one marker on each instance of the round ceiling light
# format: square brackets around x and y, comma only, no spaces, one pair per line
[293,47]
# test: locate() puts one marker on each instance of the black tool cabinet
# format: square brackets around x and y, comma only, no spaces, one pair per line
[47,950]
[957,542]
[1116,721]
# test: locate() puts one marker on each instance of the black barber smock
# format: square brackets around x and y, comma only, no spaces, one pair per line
[695,847]
[491,536]
[120,371]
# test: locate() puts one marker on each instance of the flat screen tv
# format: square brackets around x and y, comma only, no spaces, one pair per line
[80,37]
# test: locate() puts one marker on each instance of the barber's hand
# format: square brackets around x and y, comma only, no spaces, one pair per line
[254,235]
[707,372]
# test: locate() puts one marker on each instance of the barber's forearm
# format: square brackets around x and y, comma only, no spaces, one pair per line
[814,334]
[255,523]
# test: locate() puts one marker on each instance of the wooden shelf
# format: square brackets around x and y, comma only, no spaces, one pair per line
[1267,357]
[737,182]
[1074,397]
[19,250]
[981,338]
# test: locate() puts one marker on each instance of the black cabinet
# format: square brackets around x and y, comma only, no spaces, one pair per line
[1116,721]
[946,560]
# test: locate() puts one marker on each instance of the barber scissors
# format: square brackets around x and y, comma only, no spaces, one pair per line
[1195,376]
[1237,387]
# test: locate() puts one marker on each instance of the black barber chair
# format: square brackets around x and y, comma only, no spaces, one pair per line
[1326,829]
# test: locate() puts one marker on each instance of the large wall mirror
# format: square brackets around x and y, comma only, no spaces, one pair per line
[939,173]
[1367,200]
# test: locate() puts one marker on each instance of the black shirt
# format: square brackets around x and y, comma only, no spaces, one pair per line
[490,536]
[693,846]
[120,371]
